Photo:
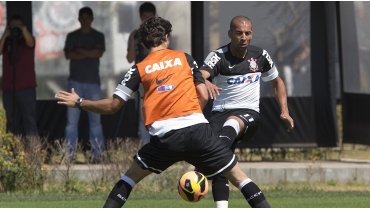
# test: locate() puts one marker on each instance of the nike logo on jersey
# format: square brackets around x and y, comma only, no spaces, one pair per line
[222,136]
[230,67]
[163,65]
[159,82]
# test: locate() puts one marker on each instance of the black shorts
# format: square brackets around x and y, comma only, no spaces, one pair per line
[195,144]
[250,118]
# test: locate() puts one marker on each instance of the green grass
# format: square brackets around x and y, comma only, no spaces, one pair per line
[277,198]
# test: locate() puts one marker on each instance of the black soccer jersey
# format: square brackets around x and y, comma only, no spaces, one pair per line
[239,78]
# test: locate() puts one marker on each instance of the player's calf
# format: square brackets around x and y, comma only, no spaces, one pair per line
[220,191]
[250,190]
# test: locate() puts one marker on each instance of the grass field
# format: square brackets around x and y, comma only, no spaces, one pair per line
[277,198]
[283,195]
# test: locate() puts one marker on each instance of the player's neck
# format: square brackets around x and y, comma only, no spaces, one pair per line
[238,52]
[164,45]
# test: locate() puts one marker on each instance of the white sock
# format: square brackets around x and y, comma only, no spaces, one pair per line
[222,204]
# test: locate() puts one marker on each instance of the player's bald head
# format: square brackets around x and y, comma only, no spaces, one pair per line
[238,20]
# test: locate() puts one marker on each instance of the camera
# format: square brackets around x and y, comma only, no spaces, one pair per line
[15,33]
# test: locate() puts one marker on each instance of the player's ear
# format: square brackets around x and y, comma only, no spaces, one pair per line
[167,38]
[229,34]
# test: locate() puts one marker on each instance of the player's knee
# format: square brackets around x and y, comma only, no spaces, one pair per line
[136,173]
[236,123]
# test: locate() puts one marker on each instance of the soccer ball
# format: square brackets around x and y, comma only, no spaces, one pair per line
[193,186]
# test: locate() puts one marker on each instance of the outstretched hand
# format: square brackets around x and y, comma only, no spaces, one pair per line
[288,120]
[212,89]
[66,98]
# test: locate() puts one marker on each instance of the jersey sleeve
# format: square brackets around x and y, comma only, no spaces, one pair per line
[212,64]
[197,75]
[129,84]
[270,71]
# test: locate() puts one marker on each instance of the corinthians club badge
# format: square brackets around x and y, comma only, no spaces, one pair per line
[253,64]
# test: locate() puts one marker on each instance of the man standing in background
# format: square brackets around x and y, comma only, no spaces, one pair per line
[136,51]
[84,47]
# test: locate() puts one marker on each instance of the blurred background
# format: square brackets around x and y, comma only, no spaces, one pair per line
[321,50]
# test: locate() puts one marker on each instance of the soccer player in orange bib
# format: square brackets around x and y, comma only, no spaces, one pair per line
[174,91]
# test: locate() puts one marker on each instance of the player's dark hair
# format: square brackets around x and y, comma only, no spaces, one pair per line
[85,10]
[147,7]
[239,17]
[153,31]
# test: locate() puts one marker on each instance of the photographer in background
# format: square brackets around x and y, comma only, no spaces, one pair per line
[19,80]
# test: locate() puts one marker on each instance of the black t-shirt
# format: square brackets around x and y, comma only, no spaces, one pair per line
[85,70]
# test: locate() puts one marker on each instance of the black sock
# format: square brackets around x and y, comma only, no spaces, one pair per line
[220,188]
[228,135]
[254,196]
[118,196]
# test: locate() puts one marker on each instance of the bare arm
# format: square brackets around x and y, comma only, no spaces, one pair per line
[212,89]
[202,94]
[281,97]
[91,53]
[29,39]
[74,55]
[83,54]
[103,106]
[205,74]
[131,49]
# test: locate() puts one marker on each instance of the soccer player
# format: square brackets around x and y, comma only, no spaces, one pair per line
[236,70]
[173,115]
